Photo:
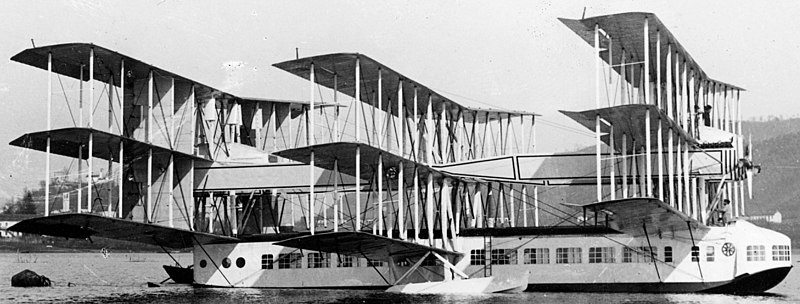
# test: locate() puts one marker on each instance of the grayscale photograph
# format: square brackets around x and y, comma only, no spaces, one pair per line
[354,151]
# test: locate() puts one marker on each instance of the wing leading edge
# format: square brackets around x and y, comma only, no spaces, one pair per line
[66,141]
[86,225]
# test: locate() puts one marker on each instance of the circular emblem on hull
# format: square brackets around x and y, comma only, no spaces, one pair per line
[728,249]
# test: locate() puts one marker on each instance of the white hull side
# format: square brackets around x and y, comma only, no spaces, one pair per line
[682,270]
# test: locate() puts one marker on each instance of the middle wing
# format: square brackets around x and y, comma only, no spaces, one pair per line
[344,153]
[65,142]
[633,215]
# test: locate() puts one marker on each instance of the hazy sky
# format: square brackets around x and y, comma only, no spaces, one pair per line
[505,54]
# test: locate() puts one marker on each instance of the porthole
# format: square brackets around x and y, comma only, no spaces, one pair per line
[203,263]
[226,262]
[240,262]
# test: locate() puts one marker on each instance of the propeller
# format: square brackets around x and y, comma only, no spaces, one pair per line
[749,172]
[749,168]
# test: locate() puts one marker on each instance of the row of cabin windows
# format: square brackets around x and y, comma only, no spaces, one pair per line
[696,253]
[568,255]
[781,253]
[755,253]
[758,253]
[313,260]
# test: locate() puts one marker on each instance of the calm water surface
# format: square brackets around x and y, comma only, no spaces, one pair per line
[122,278]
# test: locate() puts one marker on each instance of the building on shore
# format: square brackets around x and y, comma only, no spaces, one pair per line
[773,218]
[8,220]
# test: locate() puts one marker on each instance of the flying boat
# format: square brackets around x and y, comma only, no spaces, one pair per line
[378,181]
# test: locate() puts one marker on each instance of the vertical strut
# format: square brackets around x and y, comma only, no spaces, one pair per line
[358,144]
[91,124]
[597,118]
[149,203]
[400,175]
[416,147]
[624,165]
[311,197]
[122,133]
[647,100]
[47,152]
[613,161]
[536,206]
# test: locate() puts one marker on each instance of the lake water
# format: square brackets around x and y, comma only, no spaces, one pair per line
[123,277]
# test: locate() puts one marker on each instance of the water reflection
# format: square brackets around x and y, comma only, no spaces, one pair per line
[123,278]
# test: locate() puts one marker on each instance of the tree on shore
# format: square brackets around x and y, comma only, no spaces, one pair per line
[25,205]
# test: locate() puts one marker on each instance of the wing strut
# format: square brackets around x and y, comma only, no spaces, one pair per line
[693,247]
[167,252]
[451,266]
[376,268]
[413,268]
[650,246]
[212,261]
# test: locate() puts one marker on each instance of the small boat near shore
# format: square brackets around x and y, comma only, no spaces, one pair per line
[180,275]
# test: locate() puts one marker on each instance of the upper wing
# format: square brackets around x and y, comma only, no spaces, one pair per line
[625,32]
[633,215]
[86,225]
[361,244]
[337,71]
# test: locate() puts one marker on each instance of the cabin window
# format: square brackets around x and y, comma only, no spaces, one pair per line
[371,263]
[477,257]
[319,260]
[568,255]
[695,254]
[781,253]
[668,254]
[504,256]
[226,262]
[345,261]
[266,261]
[601,255]
[240,262]
[756,253]
[709,253]
[290,260]
[536,256]
[203,263]
[638,254]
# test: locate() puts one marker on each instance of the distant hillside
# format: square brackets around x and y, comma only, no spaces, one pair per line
[776,188]
[763,130]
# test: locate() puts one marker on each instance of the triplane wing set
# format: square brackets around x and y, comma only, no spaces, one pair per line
[655,113]
[379,181]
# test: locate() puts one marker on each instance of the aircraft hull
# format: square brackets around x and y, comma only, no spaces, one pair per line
[746,284]
[753,266]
